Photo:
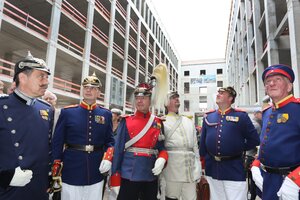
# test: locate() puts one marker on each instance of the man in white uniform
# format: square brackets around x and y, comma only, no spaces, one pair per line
[184,168]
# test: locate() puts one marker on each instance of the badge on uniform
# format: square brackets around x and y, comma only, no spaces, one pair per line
[156,125]
[232,118]
[44,114]
[282,118]
[99,119]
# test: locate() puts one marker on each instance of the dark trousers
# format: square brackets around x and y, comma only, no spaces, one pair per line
[141,190]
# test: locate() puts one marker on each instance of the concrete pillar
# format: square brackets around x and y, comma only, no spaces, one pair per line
[147,56]
[258,50]
[53,37]
[293,9]
[271,26]
[137,59]
[154,54]
[1,12]
[109,53]
[126,46]
[88,40]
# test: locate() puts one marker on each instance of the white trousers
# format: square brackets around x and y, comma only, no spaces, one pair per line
[175,190]
[88,192]
[227,190]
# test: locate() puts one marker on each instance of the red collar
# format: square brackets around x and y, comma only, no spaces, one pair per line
[228,110]
[87,106]
[142,115]
[290,98]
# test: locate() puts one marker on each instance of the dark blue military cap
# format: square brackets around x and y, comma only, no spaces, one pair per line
[280,69]
[29,62]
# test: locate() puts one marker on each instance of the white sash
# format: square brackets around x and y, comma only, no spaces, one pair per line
[176,125]
[140,134]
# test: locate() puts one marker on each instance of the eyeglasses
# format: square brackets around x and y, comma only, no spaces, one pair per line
[275,81]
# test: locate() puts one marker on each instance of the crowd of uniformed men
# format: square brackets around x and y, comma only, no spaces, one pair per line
[70,152]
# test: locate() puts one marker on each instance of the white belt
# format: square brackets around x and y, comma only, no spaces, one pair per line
[179,149]
[142,150]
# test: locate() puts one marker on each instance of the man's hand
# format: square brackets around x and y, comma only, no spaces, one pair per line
[21,177]
[289,190]
[256,175]
[105,166]
[158,166]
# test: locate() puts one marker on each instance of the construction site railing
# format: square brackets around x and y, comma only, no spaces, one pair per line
[25,19]
[102,10]
[68,44]
[73,13]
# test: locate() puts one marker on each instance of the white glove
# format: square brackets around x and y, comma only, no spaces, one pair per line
[21,177]
[256,175]
[158,166]
[114,191]
[289,190]
[104,166]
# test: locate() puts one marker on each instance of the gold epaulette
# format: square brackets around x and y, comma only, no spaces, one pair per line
[71,106]
[44,102]
[239,110]
[210,111]
[103,108]
[266,108]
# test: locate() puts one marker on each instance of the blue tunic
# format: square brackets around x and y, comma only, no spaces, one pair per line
[24,142]
[227,134]
[280,142]
[82,125]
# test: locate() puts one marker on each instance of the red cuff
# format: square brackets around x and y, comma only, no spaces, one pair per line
[255,163]
[115,180]
[202,160]
[295,176]
[108,155]
[56,168]
[163,154]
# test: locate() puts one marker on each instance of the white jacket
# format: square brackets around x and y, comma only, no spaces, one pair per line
[183,162]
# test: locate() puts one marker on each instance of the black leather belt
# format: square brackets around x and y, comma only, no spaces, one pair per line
[223,158]
[86,148]
[278,170]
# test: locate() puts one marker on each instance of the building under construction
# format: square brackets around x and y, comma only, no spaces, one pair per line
[120,40]
[261,33]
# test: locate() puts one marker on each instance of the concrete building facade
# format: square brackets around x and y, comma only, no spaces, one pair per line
[199,82]
[261,33]
[120,40]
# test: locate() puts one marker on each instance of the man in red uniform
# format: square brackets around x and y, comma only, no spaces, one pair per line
[139,150]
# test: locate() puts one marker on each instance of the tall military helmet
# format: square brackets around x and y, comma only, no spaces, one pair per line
[30,62]
[92,81]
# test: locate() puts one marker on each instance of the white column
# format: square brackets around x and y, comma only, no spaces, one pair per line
[109,53]
[53,37]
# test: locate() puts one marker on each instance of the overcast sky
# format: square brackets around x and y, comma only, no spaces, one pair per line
[197,28]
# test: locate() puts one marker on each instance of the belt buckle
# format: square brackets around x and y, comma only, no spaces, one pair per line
[263,167]
[89,148]
[217,158]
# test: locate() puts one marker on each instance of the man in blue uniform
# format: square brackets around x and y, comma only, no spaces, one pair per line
[226,134]
[25,127]
[82,134]
[277,171]
[139,151]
